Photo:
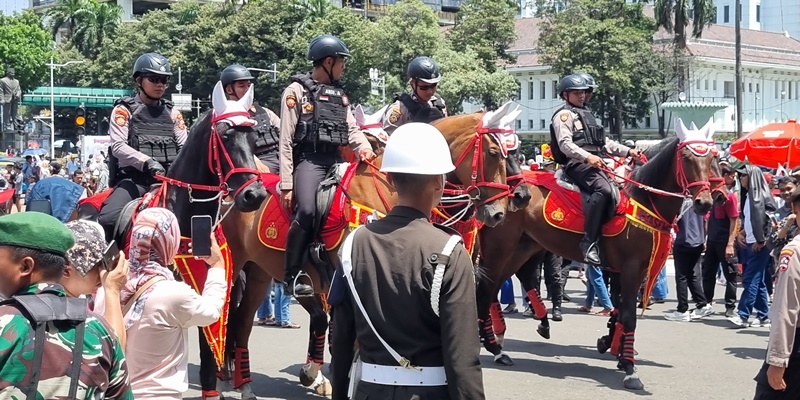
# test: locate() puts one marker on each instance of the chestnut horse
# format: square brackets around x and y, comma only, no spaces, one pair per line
[480,170]
[680,167]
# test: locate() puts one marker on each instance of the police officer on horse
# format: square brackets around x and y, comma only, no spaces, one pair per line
[236,80]
[578,141]
[315,121]
[147,133]
[422,105]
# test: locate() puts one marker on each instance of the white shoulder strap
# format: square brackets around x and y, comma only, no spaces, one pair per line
[347,269]
[438,274]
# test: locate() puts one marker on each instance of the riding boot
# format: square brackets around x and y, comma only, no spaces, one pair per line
[593,222]
[297,242]
[555,296]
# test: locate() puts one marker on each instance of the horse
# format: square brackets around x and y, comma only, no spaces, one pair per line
[635,245]
[480,170]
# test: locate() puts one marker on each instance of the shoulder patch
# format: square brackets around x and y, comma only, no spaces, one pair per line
[394,116]
[181,123]
[291,101]
[785,258]
[121,116]
[563,116]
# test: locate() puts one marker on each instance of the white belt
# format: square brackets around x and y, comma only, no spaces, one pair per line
[399,376]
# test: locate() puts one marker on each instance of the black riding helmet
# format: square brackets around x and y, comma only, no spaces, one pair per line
[424,69]
[235,72]
[589,80]
[570,83]
[327,46]
[151,63]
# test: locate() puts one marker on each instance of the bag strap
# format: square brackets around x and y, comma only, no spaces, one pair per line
[438,274]
[127,306]
[347,269]
[77,356]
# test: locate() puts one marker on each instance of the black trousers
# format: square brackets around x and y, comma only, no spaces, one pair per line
[715,255]
[792,378]
[687,273]
[272,161]
[549,267]
[310,169]
[126,191]
[595,183]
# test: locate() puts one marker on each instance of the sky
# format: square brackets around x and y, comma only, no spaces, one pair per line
[7,7]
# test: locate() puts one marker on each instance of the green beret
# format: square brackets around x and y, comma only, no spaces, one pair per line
[35,230]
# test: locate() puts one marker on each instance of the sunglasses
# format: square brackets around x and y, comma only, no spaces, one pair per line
[427,87]
[164,80]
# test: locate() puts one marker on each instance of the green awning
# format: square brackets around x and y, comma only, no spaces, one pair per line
[74,96]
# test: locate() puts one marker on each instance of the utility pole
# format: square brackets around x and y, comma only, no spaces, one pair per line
[739,83]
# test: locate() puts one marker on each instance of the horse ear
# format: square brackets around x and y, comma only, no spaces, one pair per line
[247,100]
[509,118]
[709,129]
[680,130]
[377,117]
[218,99]
[692,126]
[358,113]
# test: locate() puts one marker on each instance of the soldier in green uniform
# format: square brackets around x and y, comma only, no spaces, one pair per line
[51,346]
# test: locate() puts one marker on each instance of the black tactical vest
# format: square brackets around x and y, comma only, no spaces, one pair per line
[150,130]
[589,134]
[329,126]
[268,134]
[422,112]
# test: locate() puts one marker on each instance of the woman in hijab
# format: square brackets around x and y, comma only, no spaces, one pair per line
[159,310]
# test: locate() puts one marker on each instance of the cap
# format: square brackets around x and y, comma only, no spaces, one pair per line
[35,230]
[90,243]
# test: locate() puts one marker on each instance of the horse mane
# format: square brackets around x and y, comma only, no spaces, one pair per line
[198,133]
[659,160]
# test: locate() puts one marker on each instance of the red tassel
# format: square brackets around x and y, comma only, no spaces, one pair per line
[241,369]
[539,309]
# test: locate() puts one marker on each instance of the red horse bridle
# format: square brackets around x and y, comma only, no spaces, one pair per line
[216,154]
[477,177]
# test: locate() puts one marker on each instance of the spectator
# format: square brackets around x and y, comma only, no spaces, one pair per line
[63,195]
[757,203]
[686,252]
[19,185]
[282,311]
[786,230]
[102,178]
[265,314]
[77,177]
[33,247]
[507,297]
[595,286]
[30,168]
[162,309]
[72,165]
[722,227]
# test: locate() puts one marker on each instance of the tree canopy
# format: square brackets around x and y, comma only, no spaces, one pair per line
[26,46]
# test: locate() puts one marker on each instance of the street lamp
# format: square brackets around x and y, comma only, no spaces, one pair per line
[273,72]
[378,80]
[53,67]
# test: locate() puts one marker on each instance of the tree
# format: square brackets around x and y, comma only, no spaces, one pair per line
[606,38]
[66,14]
[409,29]
[26,46]
[665,68]
[673,16]
[464,79]
[486,27]
[100,20]
[314,9]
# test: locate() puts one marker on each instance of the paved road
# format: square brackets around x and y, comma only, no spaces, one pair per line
[677,360]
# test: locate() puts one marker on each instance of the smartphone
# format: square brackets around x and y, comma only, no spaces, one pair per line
[111,256]
[42,206]
[201,235]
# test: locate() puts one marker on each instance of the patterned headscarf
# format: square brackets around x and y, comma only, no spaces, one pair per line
[155,238]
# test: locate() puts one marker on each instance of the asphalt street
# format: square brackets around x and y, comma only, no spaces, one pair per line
[705,359]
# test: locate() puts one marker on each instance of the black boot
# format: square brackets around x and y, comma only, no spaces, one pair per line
[594,212]
[296,258]
[555,296]
[557,313]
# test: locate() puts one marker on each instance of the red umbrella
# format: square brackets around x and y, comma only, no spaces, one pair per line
[771,145]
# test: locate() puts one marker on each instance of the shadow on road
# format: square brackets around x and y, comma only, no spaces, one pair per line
[746,352]
[549,349]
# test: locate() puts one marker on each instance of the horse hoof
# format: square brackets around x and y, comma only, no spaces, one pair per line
[503,359]
[324,389]
[305,374]
[543,331]
[632,382]
[602,347]
[499,339]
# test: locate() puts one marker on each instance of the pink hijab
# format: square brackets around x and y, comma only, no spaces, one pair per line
[155,238]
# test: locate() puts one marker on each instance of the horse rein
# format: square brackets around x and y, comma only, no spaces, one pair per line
[477,170]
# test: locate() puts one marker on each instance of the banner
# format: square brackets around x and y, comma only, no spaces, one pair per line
[92,145]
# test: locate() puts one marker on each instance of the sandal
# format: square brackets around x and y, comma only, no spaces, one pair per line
[585,309]
[266,321]
[604,313]
[290,325]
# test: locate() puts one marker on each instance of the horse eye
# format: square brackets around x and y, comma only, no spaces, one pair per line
[494,153]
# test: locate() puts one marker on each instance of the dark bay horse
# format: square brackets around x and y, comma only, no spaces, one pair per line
[680,167]
[480,170]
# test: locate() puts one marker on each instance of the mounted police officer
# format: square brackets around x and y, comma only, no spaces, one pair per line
[422,105]
[578,141]
[400,263]
[315,121]
[236,80]
[147,133]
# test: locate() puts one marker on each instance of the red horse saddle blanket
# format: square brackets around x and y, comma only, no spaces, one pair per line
[563,209]
[273,225]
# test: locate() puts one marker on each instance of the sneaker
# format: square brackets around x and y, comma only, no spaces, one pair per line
[510,309]
[528,312]
[761,323]
[738,321]
[699,313]
[730,313]
[678,316]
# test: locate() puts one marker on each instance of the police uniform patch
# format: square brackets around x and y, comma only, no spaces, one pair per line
[578,125]
[394,116]
[181,122]
[120,118]
[291,101]
[309,107]
[564,116]
[345,101]
[786,257]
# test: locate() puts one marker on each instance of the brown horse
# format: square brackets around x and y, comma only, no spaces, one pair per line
[679,168]
[480,169]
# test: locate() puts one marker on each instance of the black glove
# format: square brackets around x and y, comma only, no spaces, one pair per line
[154,168]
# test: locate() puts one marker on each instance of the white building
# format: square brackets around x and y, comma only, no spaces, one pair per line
[770,62]
[9,7]
[773,16]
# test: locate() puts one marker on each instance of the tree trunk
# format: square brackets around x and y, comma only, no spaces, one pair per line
[662,126]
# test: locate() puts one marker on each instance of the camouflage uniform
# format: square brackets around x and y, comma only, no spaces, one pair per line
[103,370]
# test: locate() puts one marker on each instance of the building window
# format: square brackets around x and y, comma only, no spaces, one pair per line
[542,124]
[726,14]
[714,85]
[519,125]
[790,90]
[758,88]
[698,84]
[647,122]
[758,13]
[530,124]
[706,84]
[542,89]
[530,90]
[728,89]
[750,87]
[555,89]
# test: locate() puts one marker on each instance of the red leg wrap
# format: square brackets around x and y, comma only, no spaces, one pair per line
[316,349]
[210,395]
[539,309]
[241,368]
[627,346]
[498,321]
[488,332]
[617,339]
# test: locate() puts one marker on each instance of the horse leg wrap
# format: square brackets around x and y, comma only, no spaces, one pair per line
[210,395]
[627,347]
[498,321]
[316,349]
[487,333]
[241,369]
[539,309]
[616,339]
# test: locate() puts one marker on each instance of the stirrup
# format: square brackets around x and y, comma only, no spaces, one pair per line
[294,285]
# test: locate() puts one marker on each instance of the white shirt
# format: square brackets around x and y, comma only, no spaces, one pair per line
[750,238]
